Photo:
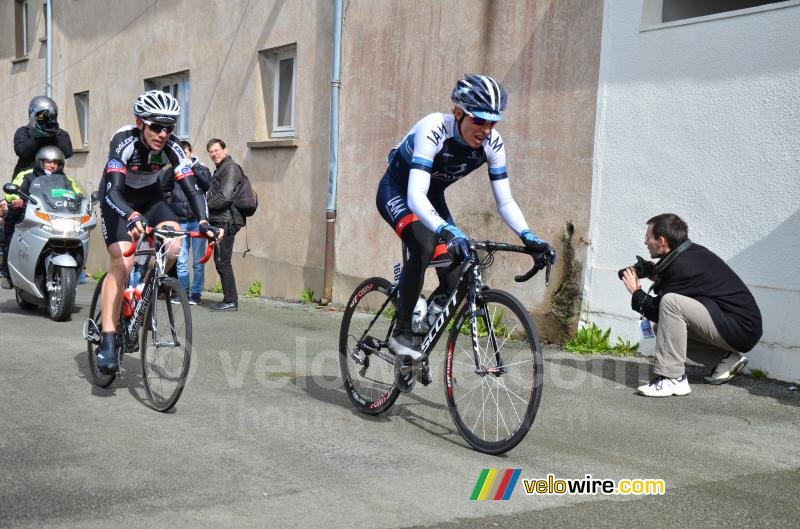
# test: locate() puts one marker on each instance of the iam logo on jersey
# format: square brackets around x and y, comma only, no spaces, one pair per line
[496,484]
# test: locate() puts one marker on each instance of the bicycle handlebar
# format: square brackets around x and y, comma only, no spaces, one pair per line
[170,232]
[543,259]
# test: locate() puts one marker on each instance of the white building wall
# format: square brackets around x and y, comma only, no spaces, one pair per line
[701,119]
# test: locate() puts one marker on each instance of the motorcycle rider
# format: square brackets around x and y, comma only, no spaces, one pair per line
[48,160]
[41,130]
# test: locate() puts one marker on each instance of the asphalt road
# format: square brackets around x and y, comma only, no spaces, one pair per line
[264,436]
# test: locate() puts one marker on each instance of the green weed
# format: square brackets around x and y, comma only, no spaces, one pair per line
[758,374]
[97,275]
[307,296]
[592,339]
[254,290]
[216,289]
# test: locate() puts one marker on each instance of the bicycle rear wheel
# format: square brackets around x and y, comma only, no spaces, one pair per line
[94,336]
[366,363]
[166,344]
[494,405]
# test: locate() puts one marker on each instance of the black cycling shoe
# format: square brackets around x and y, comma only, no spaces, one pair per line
[401,343]
[107,362]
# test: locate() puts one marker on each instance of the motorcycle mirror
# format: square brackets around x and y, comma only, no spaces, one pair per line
[11,189]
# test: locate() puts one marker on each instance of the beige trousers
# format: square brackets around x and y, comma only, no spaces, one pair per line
[685,329]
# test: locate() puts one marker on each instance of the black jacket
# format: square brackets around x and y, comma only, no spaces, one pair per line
[26,145]
[221,211]
[177,198]
[700,274]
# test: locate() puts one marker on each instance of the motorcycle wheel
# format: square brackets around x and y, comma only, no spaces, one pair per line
[61,300]
[24,305]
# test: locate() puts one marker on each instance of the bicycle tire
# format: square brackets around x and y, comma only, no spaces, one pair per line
[165,364]
[369,379]
[101,380]
[517,383]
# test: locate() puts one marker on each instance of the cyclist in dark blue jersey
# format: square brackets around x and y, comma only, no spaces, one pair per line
[133,199]
[438,151]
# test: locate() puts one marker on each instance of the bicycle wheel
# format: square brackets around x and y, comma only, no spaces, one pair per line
[494,406]
[366,363]
[93,337]
[166,344]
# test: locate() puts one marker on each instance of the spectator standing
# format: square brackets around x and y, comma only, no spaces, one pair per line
[223,214]
[188,222]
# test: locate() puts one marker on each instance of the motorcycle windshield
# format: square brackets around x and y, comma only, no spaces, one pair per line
[57,194]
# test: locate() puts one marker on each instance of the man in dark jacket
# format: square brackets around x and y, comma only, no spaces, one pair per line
[223,214]
[41,130]
[703,309]
[188,222]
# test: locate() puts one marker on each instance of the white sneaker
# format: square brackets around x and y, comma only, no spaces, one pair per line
[665,387]
[731,365]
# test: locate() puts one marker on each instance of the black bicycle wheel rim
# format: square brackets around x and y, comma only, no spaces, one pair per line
[372,389]
[100,380]
[165,368]
[517,391]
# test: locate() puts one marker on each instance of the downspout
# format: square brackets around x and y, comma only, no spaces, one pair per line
[333,156]
[48,87]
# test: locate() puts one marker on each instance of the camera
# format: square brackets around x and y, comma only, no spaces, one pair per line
[643,268]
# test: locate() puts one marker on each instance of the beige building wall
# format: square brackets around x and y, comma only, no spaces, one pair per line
[400,60]
[110,47]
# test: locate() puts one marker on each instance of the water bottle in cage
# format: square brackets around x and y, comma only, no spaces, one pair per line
[128,302]
[435,307]
[418,322]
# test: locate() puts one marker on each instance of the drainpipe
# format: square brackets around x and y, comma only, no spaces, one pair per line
[333,156]
[48,87]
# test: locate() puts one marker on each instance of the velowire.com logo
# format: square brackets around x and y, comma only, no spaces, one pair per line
[496,484]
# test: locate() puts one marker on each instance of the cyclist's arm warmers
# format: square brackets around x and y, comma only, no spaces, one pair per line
[507,206]
[418,183]
[195,197]
[114,197]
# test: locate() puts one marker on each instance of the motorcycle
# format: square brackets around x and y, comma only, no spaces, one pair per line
[50,245]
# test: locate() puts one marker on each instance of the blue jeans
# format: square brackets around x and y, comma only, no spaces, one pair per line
[198,249]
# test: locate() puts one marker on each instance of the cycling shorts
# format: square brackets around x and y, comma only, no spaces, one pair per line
[392,203]
[149,201]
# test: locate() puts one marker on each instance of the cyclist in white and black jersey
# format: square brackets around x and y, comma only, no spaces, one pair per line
[133,199]
[438,151]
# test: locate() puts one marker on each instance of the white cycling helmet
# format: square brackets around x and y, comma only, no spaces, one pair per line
[157,106]
[481,96]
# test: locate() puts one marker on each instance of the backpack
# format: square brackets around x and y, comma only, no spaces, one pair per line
[245,198]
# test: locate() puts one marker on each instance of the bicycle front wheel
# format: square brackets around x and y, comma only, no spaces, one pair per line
[166,344]
[494,403]
[366,363]
[94,336]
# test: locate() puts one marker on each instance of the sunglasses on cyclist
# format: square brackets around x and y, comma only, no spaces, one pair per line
[480,121]
[158,128]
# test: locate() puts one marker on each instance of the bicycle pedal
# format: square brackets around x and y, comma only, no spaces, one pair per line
[405,382]
[424,376]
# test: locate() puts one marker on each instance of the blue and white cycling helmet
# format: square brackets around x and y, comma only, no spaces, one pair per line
[481,96]
[157,106]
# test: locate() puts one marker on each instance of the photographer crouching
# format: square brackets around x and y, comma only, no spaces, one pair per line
[702,308]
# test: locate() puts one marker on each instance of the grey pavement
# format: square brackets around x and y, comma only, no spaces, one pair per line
[264,436]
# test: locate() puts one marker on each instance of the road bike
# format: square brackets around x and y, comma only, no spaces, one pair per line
[493,359]
[155,320]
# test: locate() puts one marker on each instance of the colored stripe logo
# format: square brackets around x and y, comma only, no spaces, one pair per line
[496,484]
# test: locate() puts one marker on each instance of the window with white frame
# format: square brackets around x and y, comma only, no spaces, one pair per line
[279,85]
[666,11]
[22,28]
[82,110]
[177,85]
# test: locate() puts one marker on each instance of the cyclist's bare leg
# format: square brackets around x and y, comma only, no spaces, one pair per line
[173,246]
[114,283]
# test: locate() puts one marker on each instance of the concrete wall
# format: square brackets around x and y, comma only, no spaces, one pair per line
[400,62]
[701,119]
